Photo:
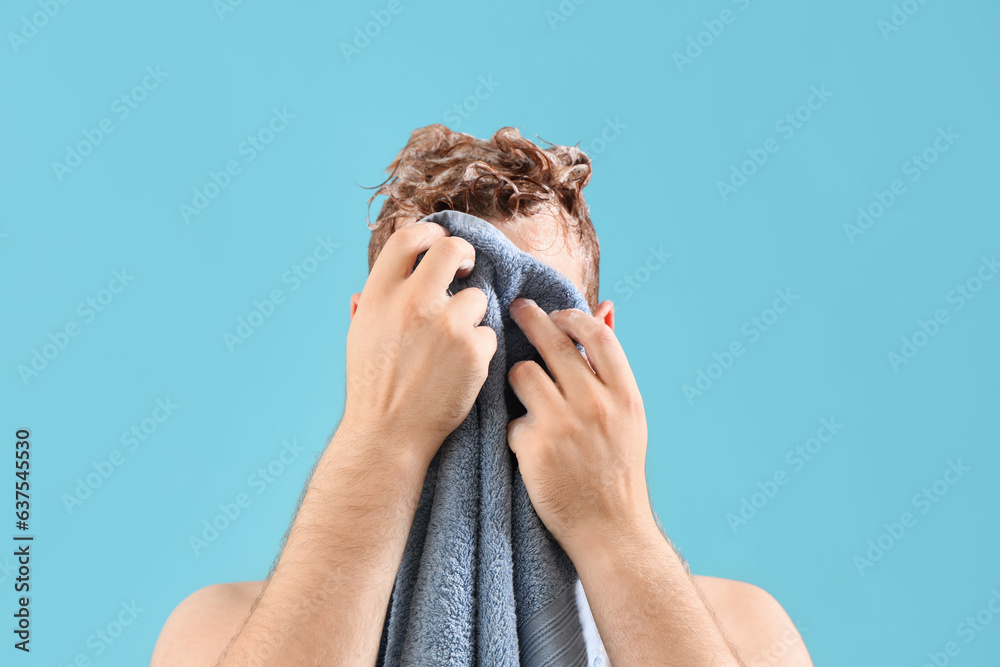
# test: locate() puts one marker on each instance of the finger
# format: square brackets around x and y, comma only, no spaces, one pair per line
[517,426]
[469,305]
[604,352]
[557,349]
[486,343]
[443,261]
[400,252]
[534,388]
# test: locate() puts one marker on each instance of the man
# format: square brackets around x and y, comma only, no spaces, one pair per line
[580,447]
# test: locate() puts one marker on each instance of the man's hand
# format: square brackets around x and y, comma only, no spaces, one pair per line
[581,447]
[416,356]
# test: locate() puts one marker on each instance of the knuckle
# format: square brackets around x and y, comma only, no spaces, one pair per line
[490,340]
[564,344]
[547,458]
[604,335]
[454,245]
[408,236]
[412,307]
[600,409]
[468,355]
[435,306]
[523,371]
[454,324]
[632,402]
[471,298]
[477,294]
[419,308]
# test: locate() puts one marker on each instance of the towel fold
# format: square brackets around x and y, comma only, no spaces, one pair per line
[482,581]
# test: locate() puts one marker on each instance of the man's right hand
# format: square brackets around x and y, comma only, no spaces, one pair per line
[416,356]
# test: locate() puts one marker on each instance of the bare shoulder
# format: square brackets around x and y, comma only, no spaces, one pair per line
[755,623]
[201,626]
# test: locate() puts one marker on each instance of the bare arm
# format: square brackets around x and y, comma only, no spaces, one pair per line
[327,599]
[646,606]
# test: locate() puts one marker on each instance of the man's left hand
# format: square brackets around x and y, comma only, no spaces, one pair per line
[581,447]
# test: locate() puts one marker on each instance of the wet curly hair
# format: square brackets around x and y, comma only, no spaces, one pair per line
[504,178]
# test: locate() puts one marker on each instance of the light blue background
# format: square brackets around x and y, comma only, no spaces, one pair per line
[654,185]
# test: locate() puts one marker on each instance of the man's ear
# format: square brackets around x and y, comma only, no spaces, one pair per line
[354,303]
[606,312]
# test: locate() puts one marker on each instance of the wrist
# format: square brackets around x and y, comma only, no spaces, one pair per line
[611,546]
[389,450]
[369,473]
[630,522]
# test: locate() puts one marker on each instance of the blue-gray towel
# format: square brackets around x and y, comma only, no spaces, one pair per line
[482,581]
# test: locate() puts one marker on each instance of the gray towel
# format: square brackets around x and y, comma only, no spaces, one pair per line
[482,581]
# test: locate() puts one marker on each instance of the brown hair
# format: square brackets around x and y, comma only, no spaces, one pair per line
[504,177]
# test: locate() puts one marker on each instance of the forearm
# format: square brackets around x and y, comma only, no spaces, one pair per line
[646,606]
[327,598]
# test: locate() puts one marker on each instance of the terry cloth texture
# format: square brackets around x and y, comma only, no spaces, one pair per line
[482,581]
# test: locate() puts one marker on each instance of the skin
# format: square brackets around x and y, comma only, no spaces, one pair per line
[580,448]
